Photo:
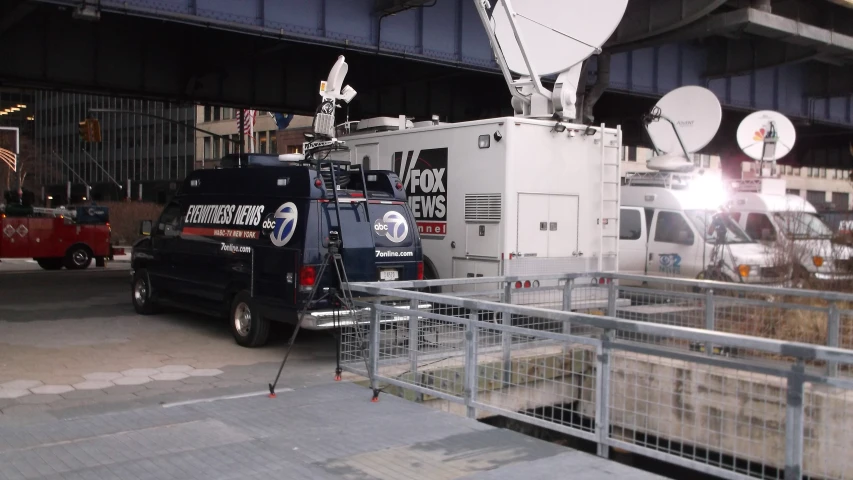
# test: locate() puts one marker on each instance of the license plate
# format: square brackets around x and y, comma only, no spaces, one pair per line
[388,275]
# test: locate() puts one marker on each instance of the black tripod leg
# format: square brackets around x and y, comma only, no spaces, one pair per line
[337,322]
[296,330]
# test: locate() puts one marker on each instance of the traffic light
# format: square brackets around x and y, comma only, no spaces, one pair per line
[85,132]
[90,130]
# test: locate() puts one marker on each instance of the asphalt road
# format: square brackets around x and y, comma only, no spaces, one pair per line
[71,339]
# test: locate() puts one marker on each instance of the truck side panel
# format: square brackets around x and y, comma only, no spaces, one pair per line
[566,173]
[438,167]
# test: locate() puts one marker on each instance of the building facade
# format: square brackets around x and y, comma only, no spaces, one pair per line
[224,123]
[825,188]
[143,145]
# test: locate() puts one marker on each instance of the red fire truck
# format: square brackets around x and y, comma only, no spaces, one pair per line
[57,237]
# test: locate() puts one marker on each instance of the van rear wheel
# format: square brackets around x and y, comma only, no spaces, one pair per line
[249,328]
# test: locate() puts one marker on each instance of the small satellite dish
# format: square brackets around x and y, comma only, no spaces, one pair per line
[556,34]
[766,135]
[694,111]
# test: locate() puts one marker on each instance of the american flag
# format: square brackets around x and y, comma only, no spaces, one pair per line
[249,127]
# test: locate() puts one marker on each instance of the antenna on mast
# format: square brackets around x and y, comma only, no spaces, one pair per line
[766,136]
[692,118]
[532,40]
[331,92]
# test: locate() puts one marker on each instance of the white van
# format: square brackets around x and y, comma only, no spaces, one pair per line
[790,228]
[669,229]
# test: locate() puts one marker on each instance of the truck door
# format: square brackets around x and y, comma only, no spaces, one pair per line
[672,247]
[633,241]
[367,156]
[547,225]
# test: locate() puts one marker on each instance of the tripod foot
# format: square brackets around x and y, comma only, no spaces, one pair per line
[272,391]
[375,398]
[338,372]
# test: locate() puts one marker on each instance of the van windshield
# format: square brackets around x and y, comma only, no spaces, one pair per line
[802,225]
[708,221]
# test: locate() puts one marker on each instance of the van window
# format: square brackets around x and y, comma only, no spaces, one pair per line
[357,232]
[759,227]
[631,225]
[169,221]
[378,212]
[671,227]
[711,221]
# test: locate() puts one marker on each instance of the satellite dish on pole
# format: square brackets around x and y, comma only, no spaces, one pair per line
[534,38]
[766,136]
[691,118]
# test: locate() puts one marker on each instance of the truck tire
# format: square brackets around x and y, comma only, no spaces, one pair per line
[50,263]
[78,257]
[141,293]
[249,328]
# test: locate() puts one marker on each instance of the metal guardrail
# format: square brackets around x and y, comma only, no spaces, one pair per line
[494,349]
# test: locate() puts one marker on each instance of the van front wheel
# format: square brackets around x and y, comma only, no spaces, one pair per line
[249,328]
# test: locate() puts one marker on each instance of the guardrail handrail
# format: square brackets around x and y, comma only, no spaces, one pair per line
[803,351]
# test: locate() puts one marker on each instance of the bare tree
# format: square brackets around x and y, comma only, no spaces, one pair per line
[34,168]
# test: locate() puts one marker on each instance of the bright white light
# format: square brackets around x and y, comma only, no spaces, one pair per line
[708,190]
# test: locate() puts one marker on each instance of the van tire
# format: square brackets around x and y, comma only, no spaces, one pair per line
[250,328]
[142,294]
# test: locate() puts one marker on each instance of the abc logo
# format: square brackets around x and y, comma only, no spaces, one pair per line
[269,223]
[392,226]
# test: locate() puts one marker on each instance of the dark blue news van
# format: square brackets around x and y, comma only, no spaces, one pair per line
[246,242]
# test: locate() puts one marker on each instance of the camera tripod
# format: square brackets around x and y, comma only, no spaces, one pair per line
[339,297]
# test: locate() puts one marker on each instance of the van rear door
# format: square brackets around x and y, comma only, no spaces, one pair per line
[383,248]
[394,236]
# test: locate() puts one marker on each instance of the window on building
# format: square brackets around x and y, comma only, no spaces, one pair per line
[706,161]
[841,200]
[216,114]
[208,114]
[632,154]
[294,148]
[816,197]
[207,147]
[217,149]
[793,191]
[262,143]
[273,142]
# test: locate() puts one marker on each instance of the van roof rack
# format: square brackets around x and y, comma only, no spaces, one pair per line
[658,179]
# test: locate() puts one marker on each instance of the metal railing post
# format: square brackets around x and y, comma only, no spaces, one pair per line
[602,394]
[611,299]
[794,422]
[567,304]
[373,348]
[414,339]
[471,382]
[710,319]
[832,334]
[506,337]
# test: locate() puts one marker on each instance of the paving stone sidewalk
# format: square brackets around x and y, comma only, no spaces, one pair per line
[328,431]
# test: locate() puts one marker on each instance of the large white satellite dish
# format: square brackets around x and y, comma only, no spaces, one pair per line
[695,112]
[556,34]
[766,135]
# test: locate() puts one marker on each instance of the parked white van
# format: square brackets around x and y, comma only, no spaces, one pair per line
[790,228]
[673,225]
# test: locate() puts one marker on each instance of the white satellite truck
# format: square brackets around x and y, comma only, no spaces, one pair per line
[673,221]
[787,225]
[531,193]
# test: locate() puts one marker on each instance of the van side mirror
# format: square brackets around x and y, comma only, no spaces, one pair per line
[145,227]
